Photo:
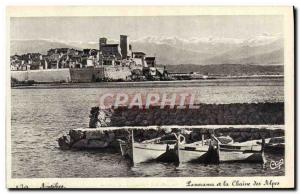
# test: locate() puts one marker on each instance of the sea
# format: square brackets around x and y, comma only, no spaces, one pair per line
[41,114]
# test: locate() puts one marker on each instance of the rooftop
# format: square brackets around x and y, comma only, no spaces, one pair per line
[108,45]
[138,52]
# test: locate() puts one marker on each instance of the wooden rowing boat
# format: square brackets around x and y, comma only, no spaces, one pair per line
[193,152]
[249,151]
[147,150]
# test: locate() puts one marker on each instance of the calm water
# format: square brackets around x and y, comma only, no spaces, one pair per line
[40,116]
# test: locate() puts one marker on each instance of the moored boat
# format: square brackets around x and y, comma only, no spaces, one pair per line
[147,150]
[276,145]
[250,151]
[193,152]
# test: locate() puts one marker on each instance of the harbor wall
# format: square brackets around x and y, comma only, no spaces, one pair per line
[117,73]
[76,75]
[206,114]
[100,74]
[40,76]
[87,74]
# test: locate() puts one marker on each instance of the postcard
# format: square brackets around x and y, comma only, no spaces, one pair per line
[139,97]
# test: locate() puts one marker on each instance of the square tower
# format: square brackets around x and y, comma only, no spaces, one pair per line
[123,45]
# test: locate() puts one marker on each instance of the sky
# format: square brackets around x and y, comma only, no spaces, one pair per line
[90,29]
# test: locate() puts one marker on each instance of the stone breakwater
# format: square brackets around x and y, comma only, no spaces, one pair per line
[242,122]
[207,114]
[107,137]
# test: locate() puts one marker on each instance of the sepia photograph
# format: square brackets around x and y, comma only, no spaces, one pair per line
[150,97]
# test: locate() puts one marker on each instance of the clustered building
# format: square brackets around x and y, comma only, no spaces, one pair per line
[107,55]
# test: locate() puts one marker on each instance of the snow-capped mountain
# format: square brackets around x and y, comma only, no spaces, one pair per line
[263,49]
[214,50]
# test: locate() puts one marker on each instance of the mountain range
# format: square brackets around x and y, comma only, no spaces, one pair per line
[260,50]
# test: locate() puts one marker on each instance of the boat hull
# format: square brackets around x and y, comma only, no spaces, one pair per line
[196,154]
[146,152]
[228,153]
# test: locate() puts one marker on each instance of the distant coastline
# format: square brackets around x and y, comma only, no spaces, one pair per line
[232,80]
